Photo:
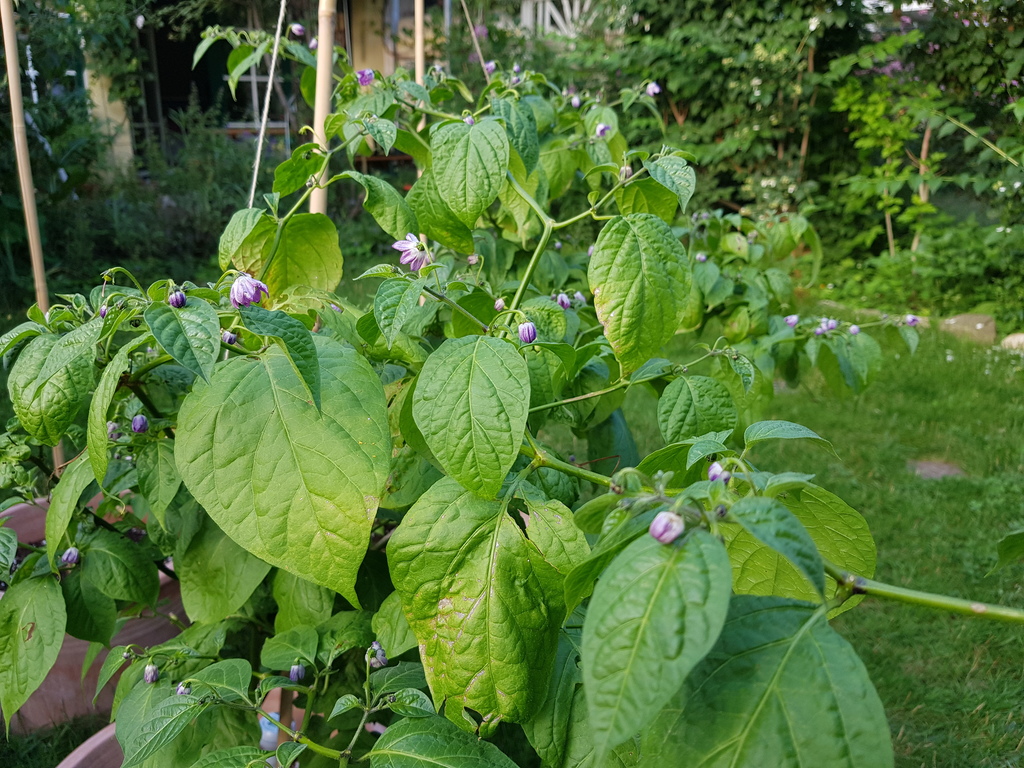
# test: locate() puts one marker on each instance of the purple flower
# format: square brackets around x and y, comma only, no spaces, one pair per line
[472,259]
[854,330]
[575,101]
[151,674]
[113,432]
[515,80]
[515,69]
[653,89]
[365,76]
[580,298]
[701,257]
[414,253]
[177,299]
[527,333]
[832,324]
[667,527]
[717,472]
[228,337]
[140,424]
[489,67]
[705,216]
[70,556]
[297,672]
[791,320]
[468,120]
[818,331]
[103,311]
[376,656]
[313,44]
[558,245]
[563,301]
[183,690]
[499,304]
[246,290]
[297,29]
[480,30]
[602,130]
[912,320]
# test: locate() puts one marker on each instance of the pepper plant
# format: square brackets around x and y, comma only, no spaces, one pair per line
[366,509]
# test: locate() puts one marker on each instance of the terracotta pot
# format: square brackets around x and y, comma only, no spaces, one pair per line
[64,695]
[100,751]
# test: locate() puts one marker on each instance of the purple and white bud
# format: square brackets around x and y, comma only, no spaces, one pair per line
[103,311]
[297,672]
[247,290]
[313,44]
[717,472]
[499,304]
[481,31]
[489,67]
[912,320]
[667,527]
[527,333]
[653,89]
[70,556]
[365,76]
[831,324]
[791,320]
[140,424]
[297,29]
[625,173]
[515,69]
[819,331]
[563,301]
[113,430]
[228,337]
[376,656]
[580,298]
[701,257]
[468,120]
[183,690]
[558,245]
[150,674]
[177,299]
[575,101]
[472,259]
[602,130]
[515,80]
[854,330]
[590,251]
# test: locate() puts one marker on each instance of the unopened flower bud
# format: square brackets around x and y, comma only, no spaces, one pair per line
[313,44]
[376,656]
[228,337]
[183,690]
[140,424]
[70,556]
[717,472]
[297,672]
[489,67]
[298,30]
[113,430]
[563,301]
[103,311]
[558,245]
[527,333]
[472,259]
[177,299]
[469,120]
[580,298]
[854,330]
[575,101]
[701,257]
[151,674]
[499,304]
[653,89]
[365,76]
[912,320]
[625,172]
[602,130]
[667,527]
[791,320]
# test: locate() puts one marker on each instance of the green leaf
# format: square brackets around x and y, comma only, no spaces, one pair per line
[675,175]
[344,704]
[191,335]
[342,632]
[293,174]
[695,405]
[641,285]
[469,166]
[781,430]
[229,679]
[8,548]
[18,334]
[781,688]
[405,674]
[47,405]
[240,226]
[296,487]
[382,131]
[471,404]
[483,603]
[655,613]
[294,338]
[1010,549]
[159,729]
[391,627]
[119,567]
[300,602]
[435,218]
[96,434]
[773,525]
[92,616]
[411,702]
[159,480]
[114,661]
[521,129]
[32,621]
[647,196]
[394,303]
[217,576]
[308,254]
[550,525]
[296,646]
[232,757]
[433,742]
[547,731]
[910,337]
[388,208]
[64,503]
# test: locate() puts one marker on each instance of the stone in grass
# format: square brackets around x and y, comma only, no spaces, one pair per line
[1013,341]
[972,326]
[932,469]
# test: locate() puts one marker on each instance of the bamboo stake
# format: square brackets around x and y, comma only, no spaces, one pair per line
[324,89]
[419,49]
[28,195]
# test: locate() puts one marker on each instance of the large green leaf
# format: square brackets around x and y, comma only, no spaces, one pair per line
[92,616]
[552,528]
[482,601]
[392,628]
[674,174]
[294,337]
[655,613]
[76,478]
[191,335]
[240,226]
[47,405]
[394,303]
[471,404]
[296,487]
[548,729]
[159,480]
[782,689]
[160,728]
[695,405]
[521,129]
[32,621]
[469,166]
[647,196]
[641,284]
[97,433]
[839,532]
[781,430]
[217,576]
[119,567]
[435,218]
[308,254]
[229,679]
[388,208]
[433,742]
[300,601]
[296,645]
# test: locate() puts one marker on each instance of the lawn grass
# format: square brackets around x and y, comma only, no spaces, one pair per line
[45,749]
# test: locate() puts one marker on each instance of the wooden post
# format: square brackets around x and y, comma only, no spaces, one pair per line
[420,46]
[324,89]
[28,195]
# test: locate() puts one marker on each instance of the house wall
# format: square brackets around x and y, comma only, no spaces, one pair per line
[111,118]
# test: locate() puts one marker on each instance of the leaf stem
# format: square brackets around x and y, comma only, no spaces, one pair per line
[592,210]
[280,229]
[543,459]
[859,585]
[154,363]
[441,297]
[566,401]
[534,260]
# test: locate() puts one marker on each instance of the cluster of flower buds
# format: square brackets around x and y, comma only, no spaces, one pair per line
[825,325]
[376,656]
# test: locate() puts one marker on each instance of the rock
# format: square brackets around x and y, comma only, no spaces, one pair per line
[934,470]
[979,328]
[1013,341]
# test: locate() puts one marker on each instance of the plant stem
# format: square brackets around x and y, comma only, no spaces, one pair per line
[534,260]
[313,746]
[282,224]
[154,363]
[592,210]
[598,393]
[544,459]
[859,585]
[547,220]
[429,111]
[441,297]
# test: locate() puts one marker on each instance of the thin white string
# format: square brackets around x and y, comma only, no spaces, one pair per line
[266,103]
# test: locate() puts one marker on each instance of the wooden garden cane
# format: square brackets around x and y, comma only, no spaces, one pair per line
[28,195]
[328,11]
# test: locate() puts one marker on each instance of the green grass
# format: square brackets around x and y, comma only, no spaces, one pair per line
[45,749]
[952,686]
